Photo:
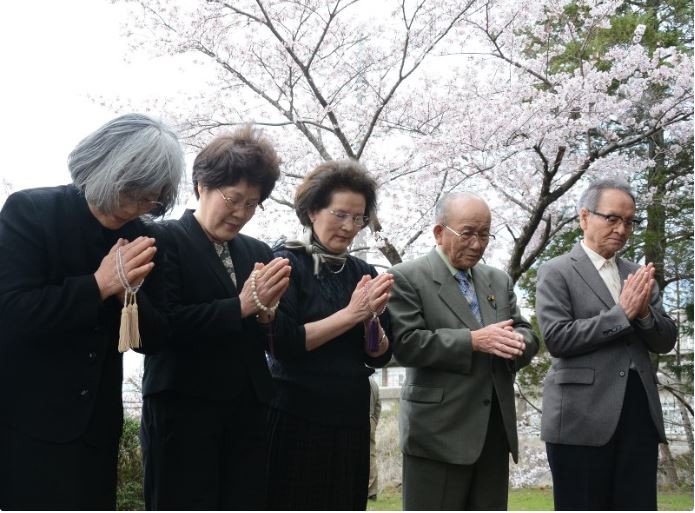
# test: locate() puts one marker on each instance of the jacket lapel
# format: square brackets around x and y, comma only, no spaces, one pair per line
[483,291]
[79,216]
[623,270]
[207,251]
[588,273]
[449,291]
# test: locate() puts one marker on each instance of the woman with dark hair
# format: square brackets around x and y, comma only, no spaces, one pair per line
[205,394]
[333,329]
[67,256]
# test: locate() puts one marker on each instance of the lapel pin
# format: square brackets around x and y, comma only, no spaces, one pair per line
[491,299]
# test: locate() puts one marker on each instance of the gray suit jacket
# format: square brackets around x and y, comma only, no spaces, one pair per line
[445,400]
[592,344]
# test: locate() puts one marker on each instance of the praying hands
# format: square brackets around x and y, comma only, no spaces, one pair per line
[136,258]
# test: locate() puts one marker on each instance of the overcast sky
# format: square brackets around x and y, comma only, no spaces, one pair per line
[54,54]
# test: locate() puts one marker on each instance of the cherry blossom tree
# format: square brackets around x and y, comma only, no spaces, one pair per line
[327,76]
[565,111]
[432,96]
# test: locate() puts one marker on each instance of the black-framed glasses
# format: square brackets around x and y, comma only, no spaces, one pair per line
[344,216]
[613,220]
[468,235]
[235,203]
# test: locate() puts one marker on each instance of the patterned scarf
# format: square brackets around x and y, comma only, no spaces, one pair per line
[319,253]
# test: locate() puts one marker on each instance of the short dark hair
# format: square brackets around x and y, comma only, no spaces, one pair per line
[316,191]
[241,155]
[592,195]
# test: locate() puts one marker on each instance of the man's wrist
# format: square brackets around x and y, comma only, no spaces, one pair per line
[628,314]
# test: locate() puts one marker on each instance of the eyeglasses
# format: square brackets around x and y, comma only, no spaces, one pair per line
[613,220]
[143,205]
[468,235]
[235,203]
[344,216]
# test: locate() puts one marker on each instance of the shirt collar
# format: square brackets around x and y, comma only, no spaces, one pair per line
[595,258]
[451,268]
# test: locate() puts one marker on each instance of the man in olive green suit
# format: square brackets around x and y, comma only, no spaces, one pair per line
[459,333]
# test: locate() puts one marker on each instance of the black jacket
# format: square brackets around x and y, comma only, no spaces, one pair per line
[213,352]
[330,384]
[60,370]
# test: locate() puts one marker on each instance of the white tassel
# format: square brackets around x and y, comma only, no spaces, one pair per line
[124,331]
[134,325]
[129,333]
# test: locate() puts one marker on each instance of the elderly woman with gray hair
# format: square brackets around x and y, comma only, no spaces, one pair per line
[69,258]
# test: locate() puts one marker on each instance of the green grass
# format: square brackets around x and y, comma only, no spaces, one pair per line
[676,500]
[541,499]
[388,500]
[531,499]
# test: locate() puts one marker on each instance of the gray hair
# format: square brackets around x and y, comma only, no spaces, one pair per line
[132,153]
[591,196]
[441,208]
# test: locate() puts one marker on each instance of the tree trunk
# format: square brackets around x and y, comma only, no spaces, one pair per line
[668,466]
[654,250]
[687,426]
[388,249]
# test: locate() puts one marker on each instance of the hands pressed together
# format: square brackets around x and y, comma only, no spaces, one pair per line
[636,293]
[499,339]
[369,299]
[370,296]
[271,283]
[137,263]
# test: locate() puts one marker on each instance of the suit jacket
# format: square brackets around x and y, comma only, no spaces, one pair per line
[60,370]
[445,400]
[212,352]
[592,343]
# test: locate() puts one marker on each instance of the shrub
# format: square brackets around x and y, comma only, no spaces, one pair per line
[129,492]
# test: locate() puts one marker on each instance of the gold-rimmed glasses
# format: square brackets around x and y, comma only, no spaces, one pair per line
[469,235]
[235,203]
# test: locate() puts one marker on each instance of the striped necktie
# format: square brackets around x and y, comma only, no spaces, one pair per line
[466,288]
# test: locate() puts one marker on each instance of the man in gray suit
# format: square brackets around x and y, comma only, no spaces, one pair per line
[458,330]
[600,317]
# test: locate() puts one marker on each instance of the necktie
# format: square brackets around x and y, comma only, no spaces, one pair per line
[466,289]
[611,277]
[226,257]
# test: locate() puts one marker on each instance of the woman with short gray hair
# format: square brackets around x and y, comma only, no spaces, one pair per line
[72,261]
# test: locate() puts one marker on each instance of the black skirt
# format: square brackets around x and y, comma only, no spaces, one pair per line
[317,467]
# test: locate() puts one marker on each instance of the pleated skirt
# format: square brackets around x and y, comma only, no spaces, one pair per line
[312,466]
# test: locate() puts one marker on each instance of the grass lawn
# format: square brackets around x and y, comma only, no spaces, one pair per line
[541,499]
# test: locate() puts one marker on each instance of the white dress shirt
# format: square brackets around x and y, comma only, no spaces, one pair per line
[608,270]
